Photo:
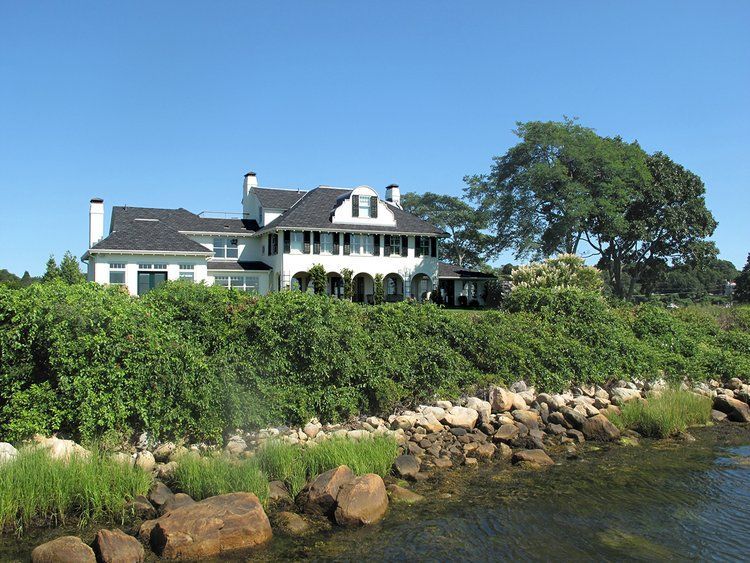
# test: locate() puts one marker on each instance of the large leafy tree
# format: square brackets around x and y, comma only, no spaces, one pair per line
[742,290]
[468,245]
[563,188]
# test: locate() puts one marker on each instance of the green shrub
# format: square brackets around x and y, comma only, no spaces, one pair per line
[667,414]
[37,489]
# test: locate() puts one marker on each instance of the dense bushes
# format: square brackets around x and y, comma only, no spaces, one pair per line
[193,361]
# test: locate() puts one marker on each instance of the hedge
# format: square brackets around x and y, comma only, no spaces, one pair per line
[194,362]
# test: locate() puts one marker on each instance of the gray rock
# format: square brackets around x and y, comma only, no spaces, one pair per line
[160,494]
[7,452]
[461,417]
[406,466]
[621,395]
[482,407]
[145,460]
[236,445]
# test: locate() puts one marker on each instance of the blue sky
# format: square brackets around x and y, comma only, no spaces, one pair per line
[169,104]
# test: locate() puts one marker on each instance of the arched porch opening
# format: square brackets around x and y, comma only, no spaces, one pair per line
[363,287]
[301,282]
[421,286]
[393,286]
[334,285]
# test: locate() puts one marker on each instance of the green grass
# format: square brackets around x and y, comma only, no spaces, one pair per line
[666,415]
[203,477]
[279,461]
[35,489]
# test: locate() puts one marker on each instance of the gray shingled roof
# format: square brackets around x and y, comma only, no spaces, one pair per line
[151,236]
[313,211]
[237,266]
[450,271]
[277,198]
[179,219]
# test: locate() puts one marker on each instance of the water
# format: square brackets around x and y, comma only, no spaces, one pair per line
[660,501]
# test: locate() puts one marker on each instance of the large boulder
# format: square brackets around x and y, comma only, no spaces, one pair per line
[361,501]
[60,449]
[461,417]
[736,410]
[574,418]
[537,458]
[178,500]
[598,427]
[406,466]
[211,526]
[501,400]
[621,395]
[429,422]
[7,452]
[115,546]
[323,491]
[482,407]
[65,549]
[145,460]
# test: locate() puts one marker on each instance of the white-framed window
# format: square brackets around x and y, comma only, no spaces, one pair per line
[152,266]
[326,243]
[225,247]
[240,283]
[297,242]
[186,272]
[395,245]
[117,273]
[363,245]
[365,202]
[424,245]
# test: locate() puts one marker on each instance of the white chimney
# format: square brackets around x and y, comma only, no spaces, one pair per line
[251,181]
[96,221]
[393,194]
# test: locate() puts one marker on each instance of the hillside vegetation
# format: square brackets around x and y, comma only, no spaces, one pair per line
[194,361]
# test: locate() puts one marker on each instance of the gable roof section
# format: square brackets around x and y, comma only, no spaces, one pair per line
[449,271]
[313,211]
[149,235]
[179,219]
[277,198]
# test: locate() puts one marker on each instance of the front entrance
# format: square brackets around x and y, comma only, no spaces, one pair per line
[448,292]
[149,280]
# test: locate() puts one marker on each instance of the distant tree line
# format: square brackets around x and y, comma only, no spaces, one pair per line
[67,271]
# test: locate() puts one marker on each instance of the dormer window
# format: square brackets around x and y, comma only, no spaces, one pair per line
[364,206]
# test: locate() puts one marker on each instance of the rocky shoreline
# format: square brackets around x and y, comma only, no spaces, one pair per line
[516,425]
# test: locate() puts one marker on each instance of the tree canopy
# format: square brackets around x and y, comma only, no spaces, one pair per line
[564,188]
[467,245]
[742,290]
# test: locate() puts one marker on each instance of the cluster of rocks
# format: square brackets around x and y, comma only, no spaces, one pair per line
[516,424]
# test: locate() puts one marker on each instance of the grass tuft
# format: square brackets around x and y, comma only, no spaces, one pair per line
[668,414]
[37,489]
[280,461]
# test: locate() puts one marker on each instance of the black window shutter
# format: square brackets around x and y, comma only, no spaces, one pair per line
[387,245]
[433,247]
[316,242]
[355,206]
[347,244]
[404,245]
[268,244]
[306,241]
[373,207]
[377,245]
[417,246]
[336,240]
[287,241]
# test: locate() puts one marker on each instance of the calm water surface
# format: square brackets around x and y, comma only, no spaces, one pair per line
[659,501]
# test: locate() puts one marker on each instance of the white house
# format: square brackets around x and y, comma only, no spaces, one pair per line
[273,243]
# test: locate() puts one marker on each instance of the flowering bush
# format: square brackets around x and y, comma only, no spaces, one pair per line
[562,271]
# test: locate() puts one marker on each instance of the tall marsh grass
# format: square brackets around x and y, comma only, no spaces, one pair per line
[279,461]
[665,415]
[37,489]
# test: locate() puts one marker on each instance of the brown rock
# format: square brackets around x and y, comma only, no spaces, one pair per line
[361,501]
[160,494]
[501,400]
[142,508]
[292,524]
[178,500]
[533,457]
[736,410]
[65,549]
[211,526]
[530,419]
[277,491]
[323,491]
[406,466]
[504,451]
[401,494]
[718,416]
[442,463]
[506,433]
[485,450]
[599,427]
[115,546]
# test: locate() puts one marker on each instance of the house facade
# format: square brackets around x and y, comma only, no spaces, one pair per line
[274,242]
